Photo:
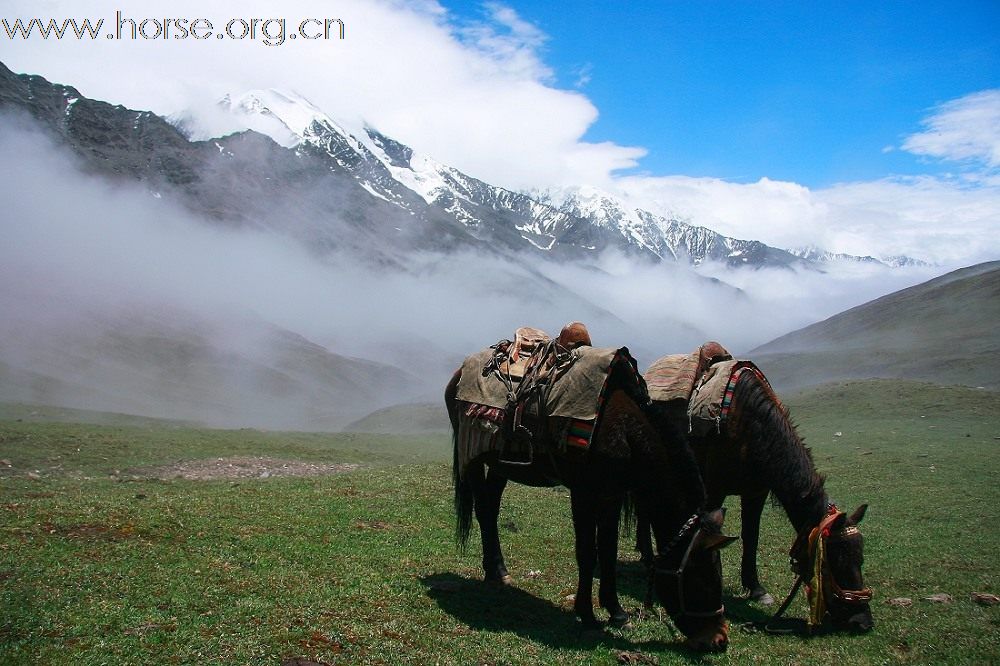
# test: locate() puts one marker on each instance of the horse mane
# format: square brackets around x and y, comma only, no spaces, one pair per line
[680,456]
[663,444]
[776,451]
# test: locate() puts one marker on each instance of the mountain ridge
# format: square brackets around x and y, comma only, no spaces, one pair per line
[371,180]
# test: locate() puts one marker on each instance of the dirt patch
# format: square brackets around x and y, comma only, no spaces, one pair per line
[91,531]
[239,467]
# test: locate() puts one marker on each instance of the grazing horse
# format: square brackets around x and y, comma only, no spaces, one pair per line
[625,452]
[755,449]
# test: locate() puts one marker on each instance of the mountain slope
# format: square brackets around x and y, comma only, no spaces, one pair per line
[944,330]
[409,419]
[181,367]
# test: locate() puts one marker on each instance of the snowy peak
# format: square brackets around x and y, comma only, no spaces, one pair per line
[280,115]
[816,254]
[572,222]
[384,166]
[292,120]
[365,191]
[396,154]
[668,238]
[610,213]
[295,122]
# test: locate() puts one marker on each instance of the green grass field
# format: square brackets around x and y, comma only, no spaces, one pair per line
[100,564]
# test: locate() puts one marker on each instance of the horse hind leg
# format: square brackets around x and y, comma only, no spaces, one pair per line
[488,492]
[585,531]
[752,506]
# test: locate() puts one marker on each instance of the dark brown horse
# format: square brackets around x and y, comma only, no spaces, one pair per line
[626,453]
[757,450]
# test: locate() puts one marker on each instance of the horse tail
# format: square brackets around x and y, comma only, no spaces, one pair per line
[464,495]
[465,501]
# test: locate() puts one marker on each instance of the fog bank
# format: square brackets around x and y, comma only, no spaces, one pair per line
[116,298]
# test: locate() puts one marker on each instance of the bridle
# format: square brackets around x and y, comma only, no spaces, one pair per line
[658,569]
[842,595]
[808,560]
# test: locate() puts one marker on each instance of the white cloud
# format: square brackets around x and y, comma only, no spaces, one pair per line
[967,128]
[937,219]
[475,96]
[950,221]
[778,213]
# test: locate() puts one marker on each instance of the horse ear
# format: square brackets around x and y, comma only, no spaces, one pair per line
[714,539]
[858,514]
[838,523]
[717,541]
[716,517]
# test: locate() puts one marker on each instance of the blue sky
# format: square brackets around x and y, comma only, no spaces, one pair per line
[811,92]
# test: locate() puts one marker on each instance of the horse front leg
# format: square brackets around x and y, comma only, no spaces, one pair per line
[585,530]
[608,516]
[488,494]
[752,506]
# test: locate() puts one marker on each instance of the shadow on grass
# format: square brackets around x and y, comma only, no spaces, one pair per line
[489,607]
[748,617]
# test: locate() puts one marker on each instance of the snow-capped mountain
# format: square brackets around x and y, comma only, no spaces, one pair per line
[301,172]
[821,256]
[668,238]
[197,293]
[395,173]
[584,221]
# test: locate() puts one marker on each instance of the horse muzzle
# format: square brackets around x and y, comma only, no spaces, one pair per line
[860,621]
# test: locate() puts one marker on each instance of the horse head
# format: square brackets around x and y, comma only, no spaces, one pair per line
[687,576]
[847,598]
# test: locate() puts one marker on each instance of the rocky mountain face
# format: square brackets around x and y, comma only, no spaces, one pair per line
[299,172]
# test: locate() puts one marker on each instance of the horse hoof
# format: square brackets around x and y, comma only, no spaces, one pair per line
[761,596]
[503,581]
[620,622]
[619,619]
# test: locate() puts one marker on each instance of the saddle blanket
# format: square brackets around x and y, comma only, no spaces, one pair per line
[673,377]
[706,384]
[577,394]
[572,407]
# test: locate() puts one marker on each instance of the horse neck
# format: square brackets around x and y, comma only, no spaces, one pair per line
[777,453]
[668,480]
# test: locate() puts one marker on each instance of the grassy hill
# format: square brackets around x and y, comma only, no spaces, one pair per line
[32,413]
[943,331]
[413,419]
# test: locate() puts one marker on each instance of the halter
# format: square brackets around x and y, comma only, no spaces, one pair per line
[814,569]
[678,573]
